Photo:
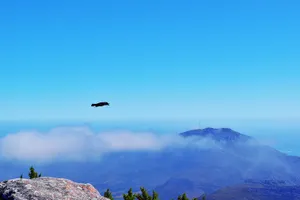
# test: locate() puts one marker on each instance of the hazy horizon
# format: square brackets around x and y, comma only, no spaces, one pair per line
[146,134]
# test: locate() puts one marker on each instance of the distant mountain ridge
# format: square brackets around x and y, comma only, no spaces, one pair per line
[218,134]
[268,190]
[242,160]
[171,170]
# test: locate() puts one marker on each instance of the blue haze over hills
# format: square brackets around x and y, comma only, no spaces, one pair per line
[202,161]
[282,135]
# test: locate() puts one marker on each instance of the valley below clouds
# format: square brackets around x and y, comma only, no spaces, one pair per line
[205,159]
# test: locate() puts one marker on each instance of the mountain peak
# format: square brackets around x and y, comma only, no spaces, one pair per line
[220,134]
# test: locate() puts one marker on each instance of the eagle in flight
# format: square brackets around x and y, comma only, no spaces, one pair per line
[100,104]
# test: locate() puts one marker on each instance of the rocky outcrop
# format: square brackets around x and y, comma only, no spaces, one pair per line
[47,188]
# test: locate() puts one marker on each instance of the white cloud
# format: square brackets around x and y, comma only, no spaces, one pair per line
[81,143]
[76,143]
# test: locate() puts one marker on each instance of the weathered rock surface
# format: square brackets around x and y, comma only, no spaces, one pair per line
[47,188]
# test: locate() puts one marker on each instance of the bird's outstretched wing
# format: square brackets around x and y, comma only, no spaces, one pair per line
[100,104]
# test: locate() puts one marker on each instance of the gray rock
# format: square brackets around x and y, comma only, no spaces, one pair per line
[47,188]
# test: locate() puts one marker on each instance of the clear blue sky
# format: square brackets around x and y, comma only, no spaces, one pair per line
[150,59]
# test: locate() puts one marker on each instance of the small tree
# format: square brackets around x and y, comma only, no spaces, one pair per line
[32,173]
[129,195]
[155,195]
[182,197]
[145,195]
[21,177]
[40,175]
[108,194]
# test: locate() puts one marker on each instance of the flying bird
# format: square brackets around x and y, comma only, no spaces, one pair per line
[100,104]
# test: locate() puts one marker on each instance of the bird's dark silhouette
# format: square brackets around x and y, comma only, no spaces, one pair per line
[100,104]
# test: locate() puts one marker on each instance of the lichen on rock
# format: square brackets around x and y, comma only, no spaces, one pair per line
[47,188]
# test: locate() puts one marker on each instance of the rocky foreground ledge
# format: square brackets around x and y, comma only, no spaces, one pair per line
[47,188]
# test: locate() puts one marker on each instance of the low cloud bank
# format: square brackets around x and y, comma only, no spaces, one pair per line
[81,143]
